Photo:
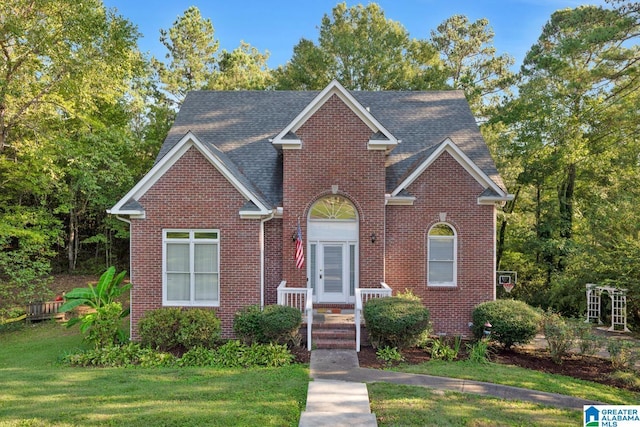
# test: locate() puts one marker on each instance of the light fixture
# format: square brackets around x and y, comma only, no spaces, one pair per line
[294,236]
[373,237]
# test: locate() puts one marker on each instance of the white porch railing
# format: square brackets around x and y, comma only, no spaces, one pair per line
[300,298]
[363,295]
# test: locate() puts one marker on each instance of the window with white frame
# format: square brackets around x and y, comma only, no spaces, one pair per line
[441,255]
[190,266]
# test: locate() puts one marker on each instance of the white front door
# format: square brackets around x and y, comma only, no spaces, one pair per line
[331,273]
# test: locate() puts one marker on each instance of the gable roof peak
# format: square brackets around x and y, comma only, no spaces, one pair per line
[384,138]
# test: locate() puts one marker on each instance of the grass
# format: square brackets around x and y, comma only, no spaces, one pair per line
[525,378]
[399,405]
[36,390]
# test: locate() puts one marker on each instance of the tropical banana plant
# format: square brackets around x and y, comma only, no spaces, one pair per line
[98,297]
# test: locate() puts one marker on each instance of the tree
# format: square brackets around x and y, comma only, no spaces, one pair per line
[192,51]
[575,143]
[242,68]
[470,61]
[360,48]
[63,66]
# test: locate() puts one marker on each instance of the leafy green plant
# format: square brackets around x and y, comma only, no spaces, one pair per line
[197,356]
[588,342]
[126,355]
[395,321]
[389,355]
[512,322]
[101,298]
[624,354]
[441,350]
[559,333]
[273,324]
[171,328]
[478,352]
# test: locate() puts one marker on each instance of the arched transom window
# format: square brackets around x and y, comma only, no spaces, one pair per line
[441,256]
[333,207]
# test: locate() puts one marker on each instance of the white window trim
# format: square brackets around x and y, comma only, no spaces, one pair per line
[192,241]
[454,283]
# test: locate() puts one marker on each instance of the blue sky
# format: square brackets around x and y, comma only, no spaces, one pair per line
[278,25]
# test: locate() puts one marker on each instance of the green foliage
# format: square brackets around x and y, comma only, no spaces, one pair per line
[27,236]
[441,349]
[389,355]
[588,342]
[363,50]
[199,328]
[512,322]
[126,355]
[479,351]
[102,325]
[171,328]
[395,321]
[624,354]
[274,324]
[559,333]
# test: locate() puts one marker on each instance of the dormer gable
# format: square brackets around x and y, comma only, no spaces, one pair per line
[381,138]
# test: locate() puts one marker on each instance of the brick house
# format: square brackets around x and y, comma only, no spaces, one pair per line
[387,189]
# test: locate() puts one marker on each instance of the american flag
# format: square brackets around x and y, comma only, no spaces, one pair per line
[299,250]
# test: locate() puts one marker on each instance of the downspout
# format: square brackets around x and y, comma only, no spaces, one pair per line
[118,217]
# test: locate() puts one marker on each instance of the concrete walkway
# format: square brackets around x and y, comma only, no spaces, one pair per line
[338,396]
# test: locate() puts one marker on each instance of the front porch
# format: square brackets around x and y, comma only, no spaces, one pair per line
[330,325]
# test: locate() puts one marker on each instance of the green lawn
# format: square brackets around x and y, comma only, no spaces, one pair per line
[525,378]
[399,405]
[36,390]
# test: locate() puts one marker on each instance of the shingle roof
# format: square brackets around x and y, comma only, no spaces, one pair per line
[237,127]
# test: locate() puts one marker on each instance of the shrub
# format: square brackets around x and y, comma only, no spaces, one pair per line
[235,354]
[275,324]
[512,322]
[198,356]
[199,328]
[246,324]
[159,328]
[559,333]
[624,354]
[588,342]
[175,328]
[281,324]
[395,321]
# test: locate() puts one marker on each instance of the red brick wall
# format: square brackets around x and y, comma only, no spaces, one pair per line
[273,259]
[194,195]
[334,152]
[444,187]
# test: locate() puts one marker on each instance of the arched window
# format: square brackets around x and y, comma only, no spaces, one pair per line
[333,207]
[441,255]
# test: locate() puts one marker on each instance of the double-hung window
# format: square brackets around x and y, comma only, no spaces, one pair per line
[441,255]
[191,268]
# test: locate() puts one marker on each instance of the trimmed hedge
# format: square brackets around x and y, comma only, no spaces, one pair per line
[176,328]
[396,321]
[512,322]
[274,324]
